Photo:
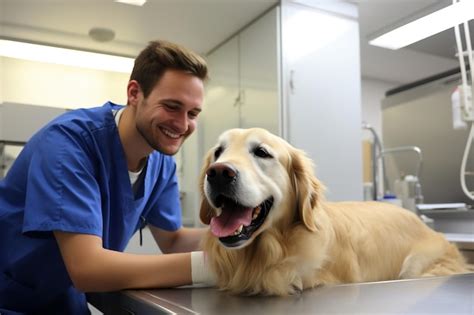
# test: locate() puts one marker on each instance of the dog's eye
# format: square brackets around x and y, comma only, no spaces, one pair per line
[261,152]
[217,153]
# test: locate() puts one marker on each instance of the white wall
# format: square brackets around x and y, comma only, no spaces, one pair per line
[53,85]
[2,71]
[373,91]
[35,83]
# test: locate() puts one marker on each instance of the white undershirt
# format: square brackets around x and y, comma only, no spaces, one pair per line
[132,175]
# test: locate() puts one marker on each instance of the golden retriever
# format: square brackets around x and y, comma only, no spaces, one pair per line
[272,233]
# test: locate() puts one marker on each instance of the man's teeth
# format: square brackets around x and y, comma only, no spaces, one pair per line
[170,134]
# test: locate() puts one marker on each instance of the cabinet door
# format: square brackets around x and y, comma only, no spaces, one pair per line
[321,50]
[220,111]
[259,74]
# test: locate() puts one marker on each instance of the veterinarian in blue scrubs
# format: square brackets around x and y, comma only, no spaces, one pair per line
[86,182]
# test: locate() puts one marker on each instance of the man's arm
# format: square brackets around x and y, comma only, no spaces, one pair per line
[179,241]
[93,268]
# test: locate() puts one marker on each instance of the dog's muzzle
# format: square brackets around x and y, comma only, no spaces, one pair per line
[222,179]
[221,174]
[236,222]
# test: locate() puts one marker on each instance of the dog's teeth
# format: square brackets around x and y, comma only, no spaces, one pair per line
[256,212]
[239,230]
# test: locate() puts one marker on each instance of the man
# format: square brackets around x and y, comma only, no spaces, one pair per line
[87,181]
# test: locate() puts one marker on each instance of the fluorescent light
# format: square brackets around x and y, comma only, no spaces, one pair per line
[63,56]
[132,2]
[426,26]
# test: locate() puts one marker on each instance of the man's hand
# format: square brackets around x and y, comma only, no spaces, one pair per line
[93,268]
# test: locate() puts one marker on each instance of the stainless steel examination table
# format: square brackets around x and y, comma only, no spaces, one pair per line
[437,295]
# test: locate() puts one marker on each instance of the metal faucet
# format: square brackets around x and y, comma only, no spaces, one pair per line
[418,196]
[378,165]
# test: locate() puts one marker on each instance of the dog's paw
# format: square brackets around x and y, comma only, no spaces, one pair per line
[295,290]
[296,287]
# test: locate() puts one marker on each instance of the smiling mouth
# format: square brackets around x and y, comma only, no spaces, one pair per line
[237,223]
[170,134]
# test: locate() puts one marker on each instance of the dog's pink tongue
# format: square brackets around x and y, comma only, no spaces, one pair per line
[229,220]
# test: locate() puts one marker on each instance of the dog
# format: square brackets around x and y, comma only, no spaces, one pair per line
[271,232]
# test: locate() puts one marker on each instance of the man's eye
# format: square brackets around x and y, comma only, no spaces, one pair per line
[193,115]
[262,153]
[172,107]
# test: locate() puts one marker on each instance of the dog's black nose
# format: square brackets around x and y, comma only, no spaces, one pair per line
[221,174]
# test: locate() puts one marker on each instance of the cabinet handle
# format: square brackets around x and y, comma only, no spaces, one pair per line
[292,83]
[240,99]
[237,100]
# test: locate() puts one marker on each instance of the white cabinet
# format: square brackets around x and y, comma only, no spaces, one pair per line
[298,77]
[220,110]
[244,86]
[296,72]
[322,88]
[243,92]
[259,82]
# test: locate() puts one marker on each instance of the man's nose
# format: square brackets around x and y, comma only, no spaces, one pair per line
[181,122]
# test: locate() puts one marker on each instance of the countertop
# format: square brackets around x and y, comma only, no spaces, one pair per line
[435,295]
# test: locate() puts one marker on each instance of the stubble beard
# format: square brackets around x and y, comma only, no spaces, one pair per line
[150,140]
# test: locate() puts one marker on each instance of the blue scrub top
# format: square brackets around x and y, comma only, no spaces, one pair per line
[72,176]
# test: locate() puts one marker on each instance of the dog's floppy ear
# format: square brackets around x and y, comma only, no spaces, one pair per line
[205,212]
[308,190]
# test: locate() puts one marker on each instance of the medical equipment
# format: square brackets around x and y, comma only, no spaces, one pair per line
[406,185]
[420,114]
[406,188]
[465,97]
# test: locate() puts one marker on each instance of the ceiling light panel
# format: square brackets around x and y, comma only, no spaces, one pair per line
[132,2]
[426,26]
[64,56]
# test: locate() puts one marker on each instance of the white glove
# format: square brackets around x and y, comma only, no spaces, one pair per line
[200,272]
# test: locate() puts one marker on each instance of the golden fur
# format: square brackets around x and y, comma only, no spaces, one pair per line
[306,241]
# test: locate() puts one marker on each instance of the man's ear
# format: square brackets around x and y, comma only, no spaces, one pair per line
[134,93]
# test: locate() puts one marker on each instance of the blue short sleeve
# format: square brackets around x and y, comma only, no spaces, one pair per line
[63,192]
[165,210]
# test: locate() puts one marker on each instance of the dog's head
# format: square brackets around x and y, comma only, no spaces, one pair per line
[253,181]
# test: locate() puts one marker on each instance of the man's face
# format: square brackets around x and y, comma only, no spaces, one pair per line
[169,114]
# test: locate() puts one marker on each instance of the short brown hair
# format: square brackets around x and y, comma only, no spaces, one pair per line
[161,55]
